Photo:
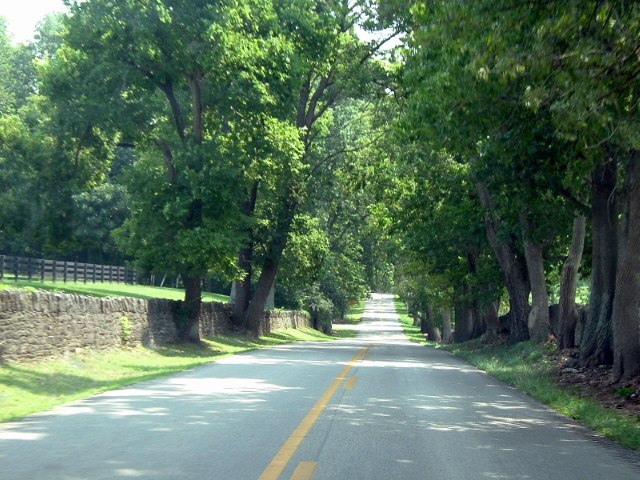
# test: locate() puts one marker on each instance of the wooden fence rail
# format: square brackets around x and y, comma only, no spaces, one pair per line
[17,268]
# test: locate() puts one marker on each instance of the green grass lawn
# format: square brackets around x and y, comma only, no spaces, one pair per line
[27,388]
[110,290]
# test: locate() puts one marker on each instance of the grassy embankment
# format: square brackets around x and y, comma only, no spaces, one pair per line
[354,314]
[110,290]
[32,387]
[409,328]
[531,367]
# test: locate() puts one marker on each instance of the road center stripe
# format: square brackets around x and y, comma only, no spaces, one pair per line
[304,471]
[349,384]
[286,452]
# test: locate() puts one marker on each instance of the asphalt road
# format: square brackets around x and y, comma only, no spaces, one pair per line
[373,408]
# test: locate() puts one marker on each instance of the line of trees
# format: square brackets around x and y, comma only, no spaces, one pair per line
[194,137]
[521,125]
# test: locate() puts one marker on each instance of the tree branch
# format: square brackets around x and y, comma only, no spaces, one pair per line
[167,89]
[195,82]
[168,160]
[311,116]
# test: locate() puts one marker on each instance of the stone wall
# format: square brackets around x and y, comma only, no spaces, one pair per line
[41,324]
[283,319]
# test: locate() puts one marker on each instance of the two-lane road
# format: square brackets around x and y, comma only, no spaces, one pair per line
[375,407]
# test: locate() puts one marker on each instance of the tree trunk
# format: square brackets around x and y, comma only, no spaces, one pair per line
[568,316]
[431,331]
[187,317]
[479,326]
[255,311]
[447,335]
[479,323]
[245,263]
[423,316]
[626,304]
[518,288]
[490,313]
[596,345]
[463,315]
[513,269]
[243,287]
[538,322]
[462,332]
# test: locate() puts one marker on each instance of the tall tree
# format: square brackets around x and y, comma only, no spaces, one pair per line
[186,83]
[332,64]
[626,304]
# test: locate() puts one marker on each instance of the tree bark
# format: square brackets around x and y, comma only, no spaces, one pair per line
[490,313]
[243,287]
[568,316]
[596,346]
[195,83]
[255,311]
[513,269]
[447,335]
[245,263]
[626,304]
[431,331]
[479,323]
[463,315]
[423,316]
[538,322]
[187,317]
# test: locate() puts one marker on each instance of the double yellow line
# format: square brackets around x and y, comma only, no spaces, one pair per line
[286,452]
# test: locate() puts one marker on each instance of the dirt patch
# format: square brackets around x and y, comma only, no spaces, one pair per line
[595,384]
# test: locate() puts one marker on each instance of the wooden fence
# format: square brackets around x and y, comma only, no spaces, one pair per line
[17,268]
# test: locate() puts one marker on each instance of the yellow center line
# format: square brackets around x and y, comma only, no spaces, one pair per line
[349,384]
[286,452]
[304,471]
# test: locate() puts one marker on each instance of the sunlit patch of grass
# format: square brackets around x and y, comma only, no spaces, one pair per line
[27,388]
[110,290]
[525,367]
[411,331]
[340,331]
[354,314]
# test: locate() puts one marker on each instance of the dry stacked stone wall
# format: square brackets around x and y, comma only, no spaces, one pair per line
[283,319]
[35,325]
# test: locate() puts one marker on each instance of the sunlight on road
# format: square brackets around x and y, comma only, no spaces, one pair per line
[380,321]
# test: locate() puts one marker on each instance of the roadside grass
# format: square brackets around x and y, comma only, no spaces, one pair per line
[109,290]
[411,331]
[526,367]
[352,317]
[354,314]
[341,331]
[27,388]
[529,367]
